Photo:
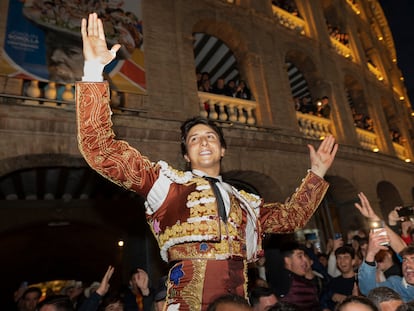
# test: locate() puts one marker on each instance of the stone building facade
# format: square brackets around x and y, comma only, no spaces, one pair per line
[266,137]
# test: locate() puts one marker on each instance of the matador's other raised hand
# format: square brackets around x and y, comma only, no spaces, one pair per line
[94,43]
[322,159]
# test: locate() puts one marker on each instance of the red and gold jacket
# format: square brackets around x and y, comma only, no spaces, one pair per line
[181,208]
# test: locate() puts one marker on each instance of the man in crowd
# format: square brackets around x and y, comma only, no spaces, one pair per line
[292,286]
[344,285]
[29,299]
[385,298]
[379,239]
[262,298]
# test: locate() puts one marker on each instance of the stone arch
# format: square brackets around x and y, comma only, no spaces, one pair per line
[65,228]
[333,16]
[341,197]
[219,62]
[389,197]
[356,98]
[11,164]
[226,36]
[225,32]
[309,70]
[230,35]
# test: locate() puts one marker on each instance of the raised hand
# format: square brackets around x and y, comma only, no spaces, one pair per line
[142,280]
[365,207]
[94,43]
[376,242]
[322,159]
[104,286]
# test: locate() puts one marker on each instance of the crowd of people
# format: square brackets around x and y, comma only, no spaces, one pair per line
[232,88]
[287,5]
[338,35]
[373,268]
[362,120]
[320,107]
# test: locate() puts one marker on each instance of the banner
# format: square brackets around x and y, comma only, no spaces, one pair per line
[43,41]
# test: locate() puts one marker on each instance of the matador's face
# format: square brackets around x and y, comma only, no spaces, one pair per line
[204,150]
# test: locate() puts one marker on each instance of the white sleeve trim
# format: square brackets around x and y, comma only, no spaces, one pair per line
[159,191]
[92,71]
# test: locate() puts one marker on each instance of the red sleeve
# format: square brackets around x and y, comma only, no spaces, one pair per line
[295,212]
[114,159]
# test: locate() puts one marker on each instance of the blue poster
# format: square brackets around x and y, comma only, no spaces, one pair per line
[43,41]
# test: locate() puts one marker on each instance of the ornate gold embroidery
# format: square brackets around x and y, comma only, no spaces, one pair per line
[193,292]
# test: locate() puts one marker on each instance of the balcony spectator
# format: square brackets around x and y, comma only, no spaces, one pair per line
[219,87]
[368,124]
[230,88]
[288,6]
[297,102]
[205,86]
[308,106]
[323,108]
[242,91]
[198,78]
[396,136]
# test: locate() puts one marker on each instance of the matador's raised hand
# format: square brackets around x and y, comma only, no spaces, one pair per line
[322,159]
[94,43]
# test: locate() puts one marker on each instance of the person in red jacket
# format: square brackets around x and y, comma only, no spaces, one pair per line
[206,228]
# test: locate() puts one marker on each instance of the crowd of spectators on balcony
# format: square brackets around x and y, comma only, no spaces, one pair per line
[396,136]
[288,6]
[233,88]
[320,107]
[362,120]
[337,34]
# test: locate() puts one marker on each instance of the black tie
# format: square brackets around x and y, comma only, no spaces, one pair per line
[219,198]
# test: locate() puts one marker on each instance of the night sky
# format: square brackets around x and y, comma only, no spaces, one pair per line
[400,16]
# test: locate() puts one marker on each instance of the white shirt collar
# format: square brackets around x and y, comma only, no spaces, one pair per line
[405,284]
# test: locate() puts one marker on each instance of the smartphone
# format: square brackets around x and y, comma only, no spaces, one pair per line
[406,211]
[338,236]
[378,225]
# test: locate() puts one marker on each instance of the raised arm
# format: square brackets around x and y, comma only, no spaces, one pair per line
[112,158]
[296,212]
[396,242]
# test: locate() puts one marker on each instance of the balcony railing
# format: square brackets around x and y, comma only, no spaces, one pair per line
[367,139]
[226,108]
[401,152]
[312,126]
[341,49]
[354,6]
[374,70]
[51,94]
[289,20]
